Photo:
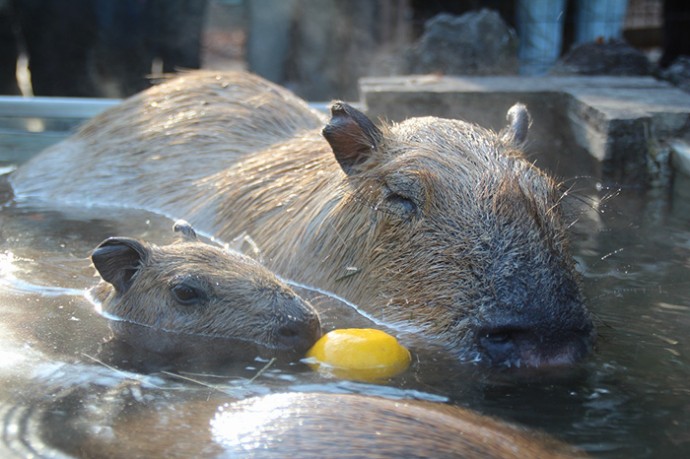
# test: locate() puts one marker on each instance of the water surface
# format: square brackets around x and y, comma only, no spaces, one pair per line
[630,399]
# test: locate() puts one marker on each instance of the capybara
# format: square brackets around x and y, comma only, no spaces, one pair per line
[432,224]
[193,302]
[314,425]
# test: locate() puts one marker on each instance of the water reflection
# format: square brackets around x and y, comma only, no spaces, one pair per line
[247,427]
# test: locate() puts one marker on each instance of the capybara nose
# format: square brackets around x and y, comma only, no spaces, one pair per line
[508,346]
[298,336]
[299,333]
[499,345]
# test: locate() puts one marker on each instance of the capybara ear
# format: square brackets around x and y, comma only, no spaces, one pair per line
[519,122]
[352,136]
[117,260]
[185,229]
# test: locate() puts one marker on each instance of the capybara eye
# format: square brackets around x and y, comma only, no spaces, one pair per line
[403,194]
[401,204]
[186,294]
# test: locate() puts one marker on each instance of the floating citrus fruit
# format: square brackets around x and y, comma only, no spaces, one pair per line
[362,354]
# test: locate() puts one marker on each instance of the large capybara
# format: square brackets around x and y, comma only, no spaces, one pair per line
[434,224]
[313,425]
[193,303]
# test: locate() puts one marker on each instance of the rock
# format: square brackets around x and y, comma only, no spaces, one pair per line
[678,73]
[595,58]
[476,43]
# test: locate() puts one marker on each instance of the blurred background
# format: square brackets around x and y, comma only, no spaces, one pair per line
[319,48]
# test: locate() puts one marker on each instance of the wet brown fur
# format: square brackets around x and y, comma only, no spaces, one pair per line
[321,425]
[434,223]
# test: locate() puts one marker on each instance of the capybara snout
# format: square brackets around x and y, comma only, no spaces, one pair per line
[539,321]
[517,347]
[192,290]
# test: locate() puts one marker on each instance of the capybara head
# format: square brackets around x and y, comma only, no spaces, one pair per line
[191,290]
[459,233]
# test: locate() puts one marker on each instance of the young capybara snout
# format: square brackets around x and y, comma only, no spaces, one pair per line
[431,225]
[192,290]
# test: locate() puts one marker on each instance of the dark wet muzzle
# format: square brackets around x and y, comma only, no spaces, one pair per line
[516,347]
[298,329]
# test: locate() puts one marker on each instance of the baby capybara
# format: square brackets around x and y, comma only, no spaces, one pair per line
[190,299]
[432,224]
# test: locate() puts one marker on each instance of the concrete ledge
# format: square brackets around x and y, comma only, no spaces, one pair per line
[623,123]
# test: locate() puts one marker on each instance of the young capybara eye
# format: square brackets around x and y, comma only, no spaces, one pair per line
[189,291]
[188,294]
[435,225]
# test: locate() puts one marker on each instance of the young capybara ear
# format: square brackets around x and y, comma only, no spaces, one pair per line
[351,134]
[185,229]
[117,259]
[519,122]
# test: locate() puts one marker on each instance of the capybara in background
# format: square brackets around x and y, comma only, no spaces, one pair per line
[193,303]
[434,224]
[314,425]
